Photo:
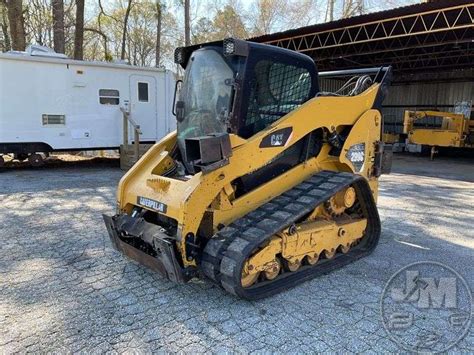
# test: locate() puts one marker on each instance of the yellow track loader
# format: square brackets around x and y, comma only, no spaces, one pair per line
[267,181]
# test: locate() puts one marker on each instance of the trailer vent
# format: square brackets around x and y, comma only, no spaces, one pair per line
[54,119]
[109,97]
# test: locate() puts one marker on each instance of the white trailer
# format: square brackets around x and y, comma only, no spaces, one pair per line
[49,102]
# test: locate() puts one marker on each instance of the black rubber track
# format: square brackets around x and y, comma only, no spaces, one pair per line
[224,255]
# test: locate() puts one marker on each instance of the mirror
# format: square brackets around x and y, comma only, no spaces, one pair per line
[177,86]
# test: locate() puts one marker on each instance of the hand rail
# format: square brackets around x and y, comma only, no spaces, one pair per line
[136,130]
[130,119]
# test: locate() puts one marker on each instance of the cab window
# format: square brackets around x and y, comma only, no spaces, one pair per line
[276,89]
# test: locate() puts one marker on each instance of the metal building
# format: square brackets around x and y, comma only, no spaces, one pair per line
[429,45]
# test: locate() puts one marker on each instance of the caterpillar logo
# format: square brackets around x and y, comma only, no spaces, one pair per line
[277,138]
[151,204]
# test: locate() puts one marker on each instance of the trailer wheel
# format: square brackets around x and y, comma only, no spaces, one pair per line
[20,156]
[35,160]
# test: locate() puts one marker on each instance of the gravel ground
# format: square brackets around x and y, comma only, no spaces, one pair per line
[62,287]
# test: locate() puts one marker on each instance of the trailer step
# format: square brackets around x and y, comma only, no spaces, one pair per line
[127,154]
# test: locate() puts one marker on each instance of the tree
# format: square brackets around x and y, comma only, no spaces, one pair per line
[58,26]
[79,31]
[187,24]
[141,41]
[39,22]
[352,8]
[159,19]
[228,23]
[125,24]
[4,35]
[203,31]
[267,15]
[330,11]
[107,55]
[302,13]
[98,30]
[17,24]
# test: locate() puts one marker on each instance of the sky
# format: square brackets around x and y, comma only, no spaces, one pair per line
[207,8]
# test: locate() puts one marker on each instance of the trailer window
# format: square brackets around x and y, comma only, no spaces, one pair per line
[143,92]
[109,97]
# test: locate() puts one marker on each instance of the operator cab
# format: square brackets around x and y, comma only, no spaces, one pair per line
[237,87]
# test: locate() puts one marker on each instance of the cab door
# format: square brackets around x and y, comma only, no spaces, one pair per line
[143,108]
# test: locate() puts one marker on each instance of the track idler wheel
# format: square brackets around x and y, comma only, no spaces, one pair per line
[249,279]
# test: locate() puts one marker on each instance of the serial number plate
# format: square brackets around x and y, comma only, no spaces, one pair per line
[151,204]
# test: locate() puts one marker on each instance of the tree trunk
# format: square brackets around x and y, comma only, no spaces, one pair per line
[107,56]
[79,31]
[330,11]
[104,37]
[187,24]
[58,25]
[159,14]
[4,25]
[17,24]
[125,24]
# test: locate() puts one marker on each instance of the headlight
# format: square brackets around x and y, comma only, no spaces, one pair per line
[356,155]
[234,46]
[179,55]
[229,46]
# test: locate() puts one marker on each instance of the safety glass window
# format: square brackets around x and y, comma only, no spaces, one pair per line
[277,89]
[143,92]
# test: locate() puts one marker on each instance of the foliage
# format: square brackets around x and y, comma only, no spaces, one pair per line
[209,20]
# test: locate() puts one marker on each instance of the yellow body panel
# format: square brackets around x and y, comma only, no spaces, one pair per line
[188,200]
[440,138]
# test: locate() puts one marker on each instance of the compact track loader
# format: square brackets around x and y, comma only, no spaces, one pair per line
[267,181]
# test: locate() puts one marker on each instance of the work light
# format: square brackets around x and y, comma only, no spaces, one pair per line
[234,46]
[229,46]
[179,55]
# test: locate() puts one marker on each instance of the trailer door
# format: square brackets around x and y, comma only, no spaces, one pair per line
[143,105]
